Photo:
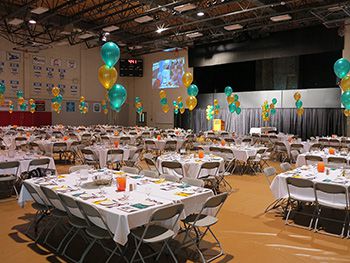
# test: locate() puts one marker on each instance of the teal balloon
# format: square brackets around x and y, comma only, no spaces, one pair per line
[54,99]
[163,101]
[266,114]
[341,67]
[238,110]
[181,104]
[176,111]
[174,103]
[59,98]
[236,97]
[110,53]
[217,106]
[82,104]
[23,106]
[139,110]
[19,94]
[274,100]
[298,104]
[228,91]
[117,96]
[12,107]
[232,107]
[2,88]
[345,98]
[273,111]
[137,99]
[33,106]
[192,90]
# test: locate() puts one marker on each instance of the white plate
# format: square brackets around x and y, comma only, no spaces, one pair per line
[86,196]
[107,203]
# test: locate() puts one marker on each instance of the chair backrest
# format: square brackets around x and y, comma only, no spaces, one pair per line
[285,166]
[313,159]
[92,215]
[38,163]
[114,155]
[34,194]
[300,189]
[149,173]
[75,168]
[70,205]
[316,146]
[268,172]
[10,165]
[166,213]
[209,167]
[325,192]
[130,170]
[59,146]
[173,165]
[170,178]
[337,160]
[53,198]
[193,181]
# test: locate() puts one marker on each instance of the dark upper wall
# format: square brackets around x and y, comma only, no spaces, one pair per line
[280,44]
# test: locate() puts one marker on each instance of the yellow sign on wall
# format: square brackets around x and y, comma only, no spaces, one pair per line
[218,125]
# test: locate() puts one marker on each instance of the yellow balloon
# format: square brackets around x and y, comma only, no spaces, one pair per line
[272,106]
[237,103]
[32,110]
[300,111]
[55,106]
[138,104]
[187,79]
[179,99]
[297,96]
[162,94]
[103,102]
[105,111]
[345,83]
[191,102]
[107,76]
[82,98]
[20,100]
[58,112]
[182,110]
[347,113]
[85,110]
[10,102]
[230,99]
[55,91]
[165,108]
[31,101]
[216,102]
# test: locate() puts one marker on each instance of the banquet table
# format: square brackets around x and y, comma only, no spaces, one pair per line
[23,159]
[279,184]
[47,145]
[301,160]
[160,144]
[101,152]
[123,211]
[191,164]
[116,138]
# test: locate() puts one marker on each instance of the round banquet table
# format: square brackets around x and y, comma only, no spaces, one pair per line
[114,138]
[191,165]
[101,152]
[47,145]
[160,144]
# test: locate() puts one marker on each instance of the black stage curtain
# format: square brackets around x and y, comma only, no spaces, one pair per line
[314,121]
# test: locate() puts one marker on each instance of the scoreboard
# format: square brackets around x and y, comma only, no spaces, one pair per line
[131,68]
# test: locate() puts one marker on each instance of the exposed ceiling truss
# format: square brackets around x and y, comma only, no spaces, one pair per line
[72,22]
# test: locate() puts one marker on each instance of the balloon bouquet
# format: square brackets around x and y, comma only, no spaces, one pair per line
[21,102]
[83,108]
[298,103]
[210,112]
[268,109]
[341,69]
[11,106]
[32,105]
[138,105]
[56,100]
[104,106]
[2,91]
[164,101]
[233,101]
[108,76]
[192,90]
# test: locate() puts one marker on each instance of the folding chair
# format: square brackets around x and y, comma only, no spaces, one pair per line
[135,159]
[313,159]
[36,163]
[300,191]
[285,166]
[151,164]
[151,147]
[297,147]
[98,230]
[75,168]
[324,195]
[170,178]
[336,162]
[195,222]
[281,151]
[268,173]
[154,233]
[149,173]
[170,146]
[7,183]
[316,147]
[115,158]
[212,177]
[130,170]
[124,140]
[193,181]
[90,158]
[59,148]
[174,166]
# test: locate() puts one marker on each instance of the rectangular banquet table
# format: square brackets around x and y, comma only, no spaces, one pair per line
[301,160]
[119,221]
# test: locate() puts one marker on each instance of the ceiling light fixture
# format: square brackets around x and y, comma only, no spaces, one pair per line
[200,14]
[32,22]
[161,28]
[280,18]
[143,19]
[233,27]
[39,10]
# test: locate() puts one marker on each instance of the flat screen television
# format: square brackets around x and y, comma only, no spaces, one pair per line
[167,74]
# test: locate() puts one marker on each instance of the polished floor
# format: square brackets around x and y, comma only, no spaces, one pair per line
[246,233]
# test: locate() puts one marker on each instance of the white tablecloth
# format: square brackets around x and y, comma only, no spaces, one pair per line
[120,222]
[191,165]
[47,145]
[301,160]
[160,144]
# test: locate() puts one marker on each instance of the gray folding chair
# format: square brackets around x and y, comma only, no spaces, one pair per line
[130,170]
[300,191]
[135,160]
[336,162]
[115,158]
[98,230]
[36,163]
[268,173]
[155,233]
[7,183]
[149,173]
[324,195]
[193,181]
[90,158]
[60,148]
[170,146]
[75,168]
[313,159]
[195,222]
[173,166]
[211,178]
[285,166]
[170,178]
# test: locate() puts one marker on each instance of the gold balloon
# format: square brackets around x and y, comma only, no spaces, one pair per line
[165,108]
[85,110]
[162,94]
[105,111]
[10,111]
[20,101]
[191,102]
[187,79]
[32,110]
[272,106]
[138,104]
[347,112]
[345,83]
[300,111]
[182,110]
[82,98]
[216,112]
[55,106]
[297,96]
[103,102]
[179,99]
[216,102]
[107,76]
[31,101]
[237,103]
[230,99]
[55,91]
[58,112]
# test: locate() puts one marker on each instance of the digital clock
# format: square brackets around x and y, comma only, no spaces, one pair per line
[131,68]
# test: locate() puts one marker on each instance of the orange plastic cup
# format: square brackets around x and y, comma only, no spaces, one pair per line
[65,138]
[158,137]
[223,142]
[121,180]
[116,144]
[331,151]
[201,154]
[320,167]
